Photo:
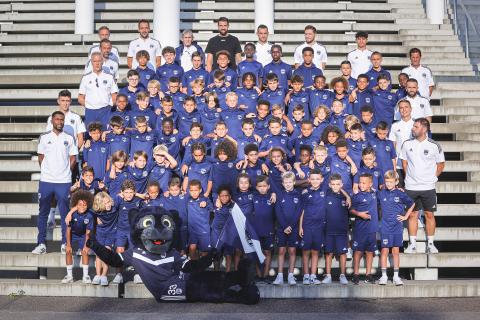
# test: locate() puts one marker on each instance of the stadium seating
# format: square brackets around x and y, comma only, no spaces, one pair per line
[40,55]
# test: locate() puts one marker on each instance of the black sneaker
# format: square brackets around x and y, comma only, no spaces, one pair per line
[369,279]
[356,279]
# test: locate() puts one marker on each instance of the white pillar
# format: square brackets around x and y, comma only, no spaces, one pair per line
[84,16]
[166,22]
[264,14]
[435,11]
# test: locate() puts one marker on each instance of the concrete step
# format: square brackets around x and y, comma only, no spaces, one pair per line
[412,289]
[49,260]
[34,111]
[464,127]
[460,210]
[448,234]
[457,86]
[462,166]
[454,260]
[53,288]
[460,102]
[19,166]
[18,209]
[25,234]
[18,146]
[22,128]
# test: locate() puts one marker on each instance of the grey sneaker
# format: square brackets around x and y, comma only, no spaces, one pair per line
[86,279]
[314,280]
[306,279]
[104,281]
[343,279]
[67,279]
[397,281]
[410,249]
[278,280]
[327,279]
[137,279]
[431,249]
[96,280]
[383,280]
[291,279]
[40,249]
[118,278]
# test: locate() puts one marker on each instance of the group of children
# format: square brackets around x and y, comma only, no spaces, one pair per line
[298,162]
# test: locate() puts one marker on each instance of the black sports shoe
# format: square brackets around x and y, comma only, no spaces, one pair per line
[369,279]
[356,279]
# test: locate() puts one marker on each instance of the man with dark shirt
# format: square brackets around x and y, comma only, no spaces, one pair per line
[223,41]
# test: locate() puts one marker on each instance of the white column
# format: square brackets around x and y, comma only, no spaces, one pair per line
[264,14]
[166,22]
[435,11]
[84,16]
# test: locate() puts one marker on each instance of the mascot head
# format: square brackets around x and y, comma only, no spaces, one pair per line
[152,228]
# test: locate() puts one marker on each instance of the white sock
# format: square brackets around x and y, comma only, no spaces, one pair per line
[430,240]
[384,272]
[69,270]
[85,270]
[413,240]
[395,273]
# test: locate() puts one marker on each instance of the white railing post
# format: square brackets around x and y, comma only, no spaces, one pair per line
[264,14]
[435,11]
[84,16]
[166,22]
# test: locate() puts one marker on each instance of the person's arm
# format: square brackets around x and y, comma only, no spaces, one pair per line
[238,58]
[209,63]
[81,99]
[158,61]
[405,164]
[80,140]
[440,167]
[73,161]
[300,225]
[430,90]
[129,62]
[407,214]
[40,158]
[209,188]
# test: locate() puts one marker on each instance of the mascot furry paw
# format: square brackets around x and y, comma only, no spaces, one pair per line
[169,276]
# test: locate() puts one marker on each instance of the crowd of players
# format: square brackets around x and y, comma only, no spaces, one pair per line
[300,155]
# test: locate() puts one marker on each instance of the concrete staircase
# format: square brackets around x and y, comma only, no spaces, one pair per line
[41,55]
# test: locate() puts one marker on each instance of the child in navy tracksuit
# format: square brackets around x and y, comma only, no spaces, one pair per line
[97,154]
[288,209]
[106,219]
[396,206]
[198,210]
[220,215]
[118,173]
[312,226]
[364,207]
[80,225]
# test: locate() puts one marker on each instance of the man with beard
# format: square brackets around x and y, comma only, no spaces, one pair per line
[420,105]
[144,42]
[223,41]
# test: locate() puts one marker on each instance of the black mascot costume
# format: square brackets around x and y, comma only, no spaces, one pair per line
[169,276]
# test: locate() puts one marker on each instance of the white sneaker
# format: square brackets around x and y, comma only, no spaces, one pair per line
[291,279]
[67,279]
[86,279]
[40,249]
[103,280]
[118,278]
[343,279]
[314,280]
[306,279]
[63,249]
[96,280]
[410,249]
[397,281]
[349,254]
[327,279]
[383,280]
[432,249]
[137,279]
[278,280]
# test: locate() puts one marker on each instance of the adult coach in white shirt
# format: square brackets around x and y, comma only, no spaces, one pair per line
[144,42]
[319,51]
[420,105]
[423,161]
[360,57]
[104,33]
[56,156]
[421,73]
[400,132]
[183,53]
[263,47]
[97,91]
[110,65]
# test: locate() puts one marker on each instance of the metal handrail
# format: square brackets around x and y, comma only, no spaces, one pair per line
[459,5]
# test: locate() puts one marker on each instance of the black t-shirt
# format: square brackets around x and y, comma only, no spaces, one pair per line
[229,43]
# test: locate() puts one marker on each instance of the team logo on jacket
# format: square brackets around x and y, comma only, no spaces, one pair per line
[385,241]
[203,171]
[105,81]
[367,100]
[295,200]
[396,199]
[230,164]
[144,174]
[425,152]
[151,46]
[65,143]
[147,76]
[86,221]
[304,100]
[239,117]
[389,97]
[72,121]
[344,203]
[283,71]
[148,138]
[387,148]
[124,139]
[259,172]
[194,120]
[162,171]
[175,72]
[283,141]
[424,75]
[422,105]
[102,150]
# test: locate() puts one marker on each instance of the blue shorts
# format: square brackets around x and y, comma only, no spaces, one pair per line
[287,240]
[313,238]
[336,243]
[266,242]
[77,242]
[122,239]
[202,240]
[364,242]
[391,240]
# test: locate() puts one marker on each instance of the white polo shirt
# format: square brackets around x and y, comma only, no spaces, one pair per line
[186,58]
[73,125]
[151,45]
[319,54]
[98,89]
[400,132]
[360,61]
[57,150]
[109,66]
[420,108]
[424,77]
[114,55]
[263,53]
[422,158]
